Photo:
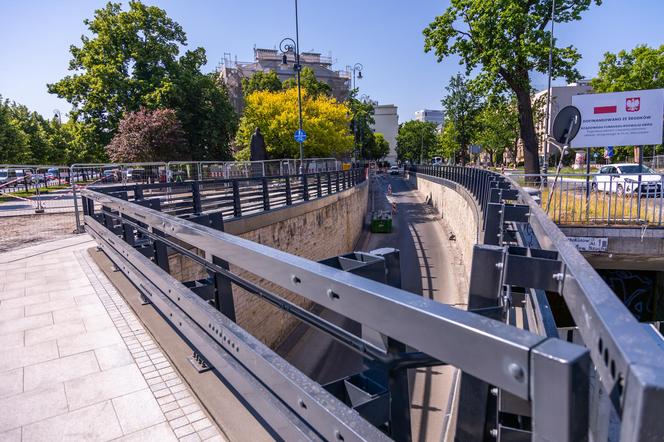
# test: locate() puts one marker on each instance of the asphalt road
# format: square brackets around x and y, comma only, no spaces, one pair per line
[431,267]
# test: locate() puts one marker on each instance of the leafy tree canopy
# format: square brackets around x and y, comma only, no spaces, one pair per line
[497,129]
[130,60]
[149,135]
[506,40]
[309,82]
[640,68]
[379,149]
[448,144]
[416,140]
[261,81]
[276,114]
[462,105]
[361,112]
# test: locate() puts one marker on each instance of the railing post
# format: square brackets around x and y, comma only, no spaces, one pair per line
[329,182]
[289,200]
[319,190]
[138,192]
[305,187]
[237,208]
[266,194]
[196,196]
[337,184]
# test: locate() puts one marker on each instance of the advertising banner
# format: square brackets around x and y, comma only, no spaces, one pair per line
[620,118]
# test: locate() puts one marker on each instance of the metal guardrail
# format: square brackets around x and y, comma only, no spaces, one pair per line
[523,249]
[138,237]
[601,198]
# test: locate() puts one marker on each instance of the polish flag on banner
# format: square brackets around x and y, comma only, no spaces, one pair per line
[606,109]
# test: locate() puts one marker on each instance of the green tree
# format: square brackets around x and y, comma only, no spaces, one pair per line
[132,61]
[361,112]
[276,114]
[261,81]
[507,40]
[416,141]
[448,142]
[309,82]
[640,68]
[461,105]
[13,142]
[380,148]
[497,128]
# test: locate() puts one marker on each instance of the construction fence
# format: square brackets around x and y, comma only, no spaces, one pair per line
[40,202]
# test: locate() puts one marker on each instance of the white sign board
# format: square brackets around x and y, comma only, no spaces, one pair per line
[620,118]
[590,244]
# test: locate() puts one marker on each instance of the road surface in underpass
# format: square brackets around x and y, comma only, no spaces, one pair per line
[431,266]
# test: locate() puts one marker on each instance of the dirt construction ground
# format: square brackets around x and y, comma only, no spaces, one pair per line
[19,231]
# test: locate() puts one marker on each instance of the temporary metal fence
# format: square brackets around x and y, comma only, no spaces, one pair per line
[600,198]
[655,162]
[39,202]
[526,271]
[211,170]
[36,204]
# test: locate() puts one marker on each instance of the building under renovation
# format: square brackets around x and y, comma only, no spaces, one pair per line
[265,60]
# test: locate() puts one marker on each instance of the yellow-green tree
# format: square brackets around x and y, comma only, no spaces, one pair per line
[325,121]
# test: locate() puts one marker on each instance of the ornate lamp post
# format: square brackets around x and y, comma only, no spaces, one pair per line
[357,72]
[289,45]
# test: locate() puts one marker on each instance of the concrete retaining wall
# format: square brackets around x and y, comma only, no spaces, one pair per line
[316,230]
[459,209]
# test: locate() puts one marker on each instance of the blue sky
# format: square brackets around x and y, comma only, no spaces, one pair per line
[384,35]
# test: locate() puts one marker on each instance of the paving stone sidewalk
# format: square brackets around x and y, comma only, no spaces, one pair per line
[76,363]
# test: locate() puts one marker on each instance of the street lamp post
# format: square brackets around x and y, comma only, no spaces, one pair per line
[289,45]
[357,70]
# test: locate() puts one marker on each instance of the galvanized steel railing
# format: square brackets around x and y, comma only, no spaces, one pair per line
[524,249]
[545,373]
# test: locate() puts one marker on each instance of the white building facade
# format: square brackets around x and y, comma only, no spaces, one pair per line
[386,122]
[430,116]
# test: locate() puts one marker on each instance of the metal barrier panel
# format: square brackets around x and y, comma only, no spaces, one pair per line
[36,204]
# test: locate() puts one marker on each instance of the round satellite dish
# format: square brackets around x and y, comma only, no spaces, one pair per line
[566,125]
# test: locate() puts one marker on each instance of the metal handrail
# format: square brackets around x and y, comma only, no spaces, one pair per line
[623,353]
[463,339]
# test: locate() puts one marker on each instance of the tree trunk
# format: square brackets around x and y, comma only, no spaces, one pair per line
[527,131]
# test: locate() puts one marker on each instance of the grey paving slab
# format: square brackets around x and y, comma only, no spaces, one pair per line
[11,382]
[126,409]
[11,358]
[59,370]
[97,422]
[55,331]
[76,363]
[33,406]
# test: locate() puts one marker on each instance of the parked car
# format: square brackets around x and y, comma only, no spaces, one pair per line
[52,174]
[7,175]
[110,176]
[394,170]
[624,179]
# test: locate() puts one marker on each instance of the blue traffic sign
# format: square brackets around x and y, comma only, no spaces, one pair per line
[300,136]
